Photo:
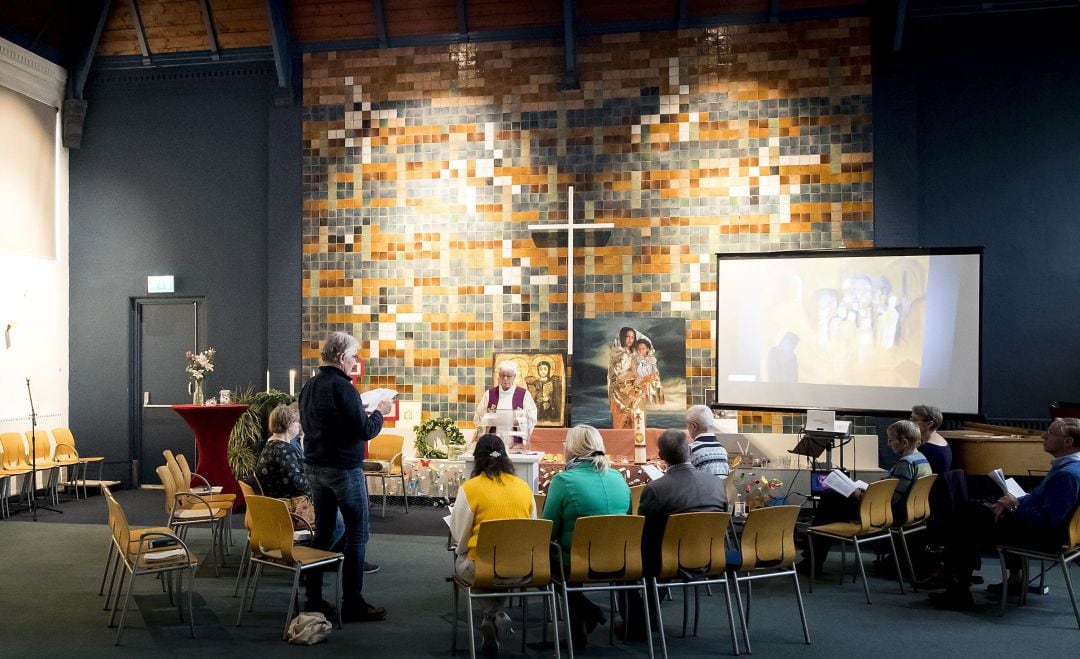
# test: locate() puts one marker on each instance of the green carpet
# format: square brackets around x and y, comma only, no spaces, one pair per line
[51,572]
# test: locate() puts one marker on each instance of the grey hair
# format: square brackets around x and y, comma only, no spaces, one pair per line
[907,431]
[930,412]
[1070,427]
[507,365]
[701,415]
[673,446]
[585,443]
[281,417]
[337,347]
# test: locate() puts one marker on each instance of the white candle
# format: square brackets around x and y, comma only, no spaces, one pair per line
[267,380]
[292,381]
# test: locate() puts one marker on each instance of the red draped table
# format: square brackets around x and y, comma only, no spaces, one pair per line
[212,425]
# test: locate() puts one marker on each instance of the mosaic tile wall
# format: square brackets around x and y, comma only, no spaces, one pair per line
[423,168]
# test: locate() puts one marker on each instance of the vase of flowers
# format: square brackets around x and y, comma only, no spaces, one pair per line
[198,365]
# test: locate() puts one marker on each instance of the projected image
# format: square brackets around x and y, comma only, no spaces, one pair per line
[810,322]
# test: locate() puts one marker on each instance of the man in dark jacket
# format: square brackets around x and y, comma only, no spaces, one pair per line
[336,425]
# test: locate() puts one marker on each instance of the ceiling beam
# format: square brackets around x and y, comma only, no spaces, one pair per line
[462,19]
[211,33]
[898,30]
[570,75]
[82,69]
[140,33]
[380,24]
[279,41]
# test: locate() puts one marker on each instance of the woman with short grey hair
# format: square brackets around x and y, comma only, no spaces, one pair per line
[932,445]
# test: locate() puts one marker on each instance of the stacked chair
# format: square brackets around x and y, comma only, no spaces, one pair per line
[186,510]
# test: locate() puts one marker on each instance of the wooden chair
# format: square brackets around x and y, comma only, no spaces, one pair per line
[148,552]
[11,465]
[39,443]
[605,555]
[635,498]
[693,553]
[272,545]
[1064,557]
[186,510]
[875,523]
[918,514]
[767,550]
[386,451]
[112,559]
[512,557]
[64,438]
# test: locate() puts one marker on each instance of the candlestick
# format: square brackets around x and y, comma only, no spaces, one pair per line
[292,381]
[267,380]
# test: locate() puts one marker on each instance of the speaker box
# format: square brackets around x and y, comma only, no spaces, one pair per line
[72,123]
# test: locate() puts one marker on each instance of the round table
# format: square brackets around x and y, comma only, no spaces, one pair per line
[212,425]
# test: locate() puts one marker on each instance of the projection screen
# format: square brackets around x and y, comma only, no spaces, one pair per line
[850,330]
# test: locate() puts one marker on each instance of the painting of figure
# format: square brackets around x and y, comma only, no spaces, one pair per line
[543,374]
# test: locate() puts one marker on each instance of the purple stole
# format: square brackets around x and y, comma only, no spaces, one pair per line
[493,401]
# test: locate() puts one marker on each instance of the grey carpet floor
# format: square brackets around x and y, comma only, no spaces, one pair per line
[50,573]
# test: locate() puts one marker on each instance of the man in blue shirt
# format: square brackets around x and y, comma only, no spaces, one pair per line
[1038,520]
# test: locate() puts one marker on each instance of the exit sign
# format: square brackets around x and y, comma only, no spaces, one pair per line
[160,284]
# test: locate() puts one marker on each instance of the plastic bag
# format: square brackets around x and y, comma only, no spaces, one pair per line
[308,629]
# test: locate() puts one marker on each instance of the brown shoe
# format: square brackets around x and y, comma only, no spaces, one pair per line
[362,612]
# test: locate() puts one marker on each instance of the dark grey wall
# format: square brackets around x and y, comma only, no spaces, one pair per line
[988,108]
[194,173]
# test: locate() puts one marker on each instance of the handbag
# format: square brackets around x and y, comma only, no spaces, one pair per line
[302,507]
[308,629]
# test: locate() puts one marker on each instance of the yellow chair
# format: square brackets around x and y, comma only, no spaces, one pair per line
[148,552]
[539,500]
[186,510]
[182,476]
[271,542]
[693,553]
[386,451]
[112,559]
[512,556]
[11,465]
[302,533]
[39,443]
[918,512]
[875,523]
[767,550]
[635,498]
[1067,555]
[64,437]
[605,555]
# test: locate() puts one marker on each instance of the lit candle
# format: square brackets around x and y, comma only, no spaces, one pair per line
[292,381]
[267,380]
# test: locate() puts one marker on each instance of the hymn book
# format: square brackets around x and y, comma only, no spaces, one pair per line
[839,481]
[1007,485]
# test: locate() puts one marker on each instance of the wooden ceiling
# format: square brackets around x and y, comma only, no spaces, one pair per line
[171,32]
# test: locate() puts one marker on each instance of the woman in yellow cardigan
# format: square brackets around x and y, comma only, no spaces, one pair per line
[493,492]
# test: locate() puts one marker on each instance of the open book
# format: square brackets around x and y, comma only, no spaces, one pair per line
[839,481]
[1007,485]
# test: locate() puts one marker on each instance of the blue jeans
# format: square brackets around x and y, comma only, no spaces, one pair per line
[340,492]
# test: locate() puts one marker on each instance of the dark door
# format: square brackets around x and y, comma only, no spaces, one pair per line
[165,330]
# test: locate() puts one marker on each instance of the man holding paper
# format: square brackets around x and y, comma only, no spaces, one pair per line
[336,426]
[1038,520]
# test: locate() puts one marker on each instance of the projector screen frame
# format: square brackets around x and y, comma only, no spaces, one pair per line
[717,404]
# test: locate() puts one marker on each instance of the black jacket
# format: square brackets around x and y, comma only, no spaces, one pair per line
[334,421]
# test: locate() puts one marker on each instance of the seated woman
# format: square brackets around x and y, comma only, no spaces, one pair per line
[903,438]
[932,445]
[492,492]
[587,486]
[280,469]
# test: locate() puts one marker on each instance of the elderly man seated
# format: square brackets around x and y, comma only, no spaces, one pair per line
[682,489]
[1038,520]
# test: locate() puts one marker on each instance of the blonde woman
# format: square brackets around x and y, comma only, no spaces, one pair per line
[587,486]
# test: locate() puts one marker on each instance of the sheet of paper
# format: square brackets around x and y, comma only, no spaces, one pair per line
[375,396]
[839,481]
[652,471]
[1013,488]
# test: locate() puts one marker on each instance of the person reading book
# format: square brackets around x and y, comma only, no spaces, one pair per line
[1038,520]
[903,439]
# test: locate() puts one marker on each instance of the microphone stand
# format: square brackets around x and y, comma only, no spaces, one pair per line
[33,458]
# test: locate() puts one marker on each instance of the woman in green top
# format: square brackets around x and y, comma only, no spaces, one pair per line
[587,486]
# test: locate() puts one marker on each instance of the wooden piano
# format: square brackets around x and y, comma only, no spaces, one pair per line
[979,448]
